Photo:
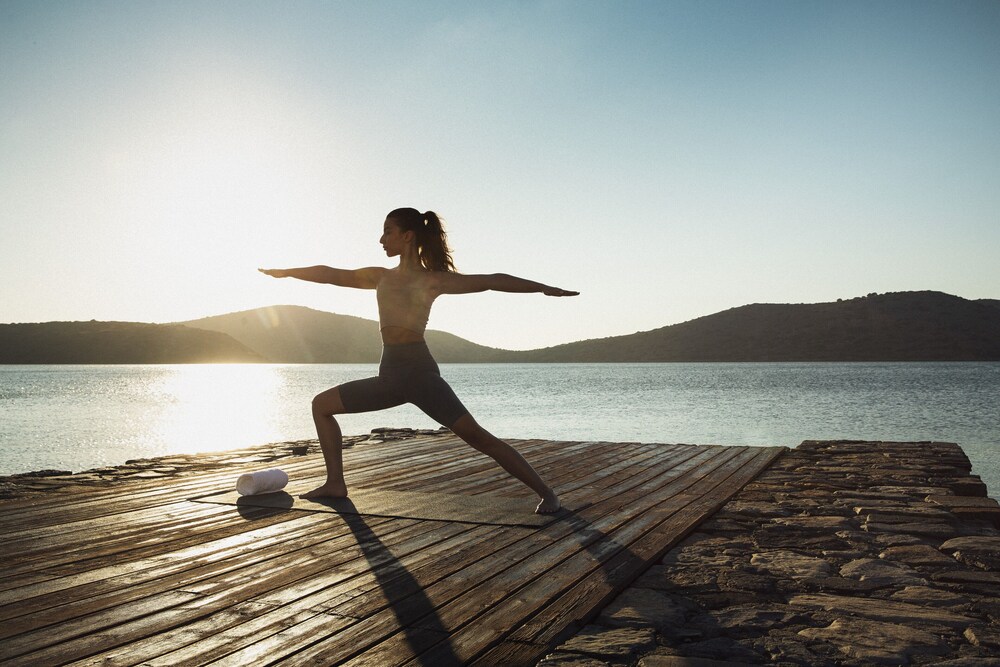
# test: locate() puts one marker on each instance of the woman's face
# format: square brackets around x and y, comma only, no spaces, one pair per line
[393,238]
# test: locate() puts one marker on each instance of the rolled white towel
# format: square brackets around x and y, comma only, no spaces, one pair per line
[265,481]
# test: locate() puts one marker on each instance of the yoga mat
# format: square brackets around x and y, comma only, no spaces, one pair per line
[482,509]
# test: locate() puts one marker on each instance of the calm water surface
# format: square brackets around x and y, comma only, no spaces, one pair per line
[80,417]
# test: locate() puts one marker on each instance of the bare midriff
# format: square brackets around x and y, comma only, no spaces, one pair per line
[404,305]
[400,336]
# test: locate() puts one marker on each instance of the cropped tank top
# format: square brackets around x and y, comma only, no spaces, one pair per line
[404,303]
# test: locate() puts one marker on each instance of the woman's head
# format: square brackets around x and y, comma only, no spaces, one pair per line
[428,235]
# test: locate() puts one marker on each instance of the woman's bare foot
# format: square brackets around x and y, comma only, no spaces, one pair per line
[550,503]
[328,490]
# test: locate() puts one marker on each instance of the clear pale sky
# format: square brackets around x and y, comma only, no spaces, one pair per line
[667,159]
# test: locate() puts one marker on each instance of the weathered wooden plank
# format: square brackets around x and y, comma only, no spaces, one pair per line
[486,476]
[177,556]
[562,473]
[215,635]
[443,452]
[382,629]
[213,599]
[185,570]
[320,564]
[594,536]
[627,468]
[373,551]
[389,587]
[396,649]
[74,574]
[411,612]
[578,604]
[118,534]
[64,507]
[278,635]
[44,645]
[309,564]
[511,654]
[504,613]
[27,538]
[384,560]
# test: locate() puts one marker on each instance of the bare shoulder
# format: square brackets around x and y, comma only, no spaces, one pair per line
[371,274]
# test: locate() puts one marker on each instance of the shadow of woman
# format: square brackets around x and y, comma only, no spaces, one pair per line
[406,597]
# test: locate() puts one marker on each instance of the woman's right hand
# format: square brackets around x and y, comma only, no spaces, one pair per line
[556,291]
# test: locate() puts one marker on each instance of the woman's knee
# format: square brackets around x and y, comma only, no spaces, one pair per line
[328,403]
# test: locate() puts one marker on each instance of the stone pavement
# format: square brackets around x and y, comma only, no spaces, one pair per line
[842,553]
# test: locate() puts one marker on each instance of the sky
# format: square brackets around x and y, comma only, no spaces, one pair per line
[669,160]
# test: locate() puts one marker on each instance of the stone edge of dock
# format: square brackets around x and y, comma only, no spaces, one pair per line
[840,553]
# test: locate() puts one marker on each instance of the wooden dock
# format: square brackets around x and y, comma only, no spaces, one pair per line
[167,572]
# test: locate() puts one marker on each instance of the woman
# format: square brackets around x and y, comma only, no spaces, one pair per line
[407,372]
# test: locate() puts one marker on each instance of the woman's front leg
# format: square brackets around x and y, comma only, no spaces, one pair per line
[331,442]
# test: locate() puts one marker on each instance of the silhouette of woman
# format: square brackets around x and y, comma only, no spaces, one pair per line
[407,371]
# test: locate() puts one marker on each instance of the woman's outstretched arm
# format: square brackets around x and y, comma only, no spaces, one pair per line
[366,278]
[457,283]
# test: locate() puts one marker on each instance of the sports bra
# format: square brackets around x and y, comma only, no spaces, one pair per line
[403,304]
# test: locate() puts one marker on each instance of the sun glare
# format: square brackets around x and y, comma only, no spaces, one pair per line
[209,405]
[209,185]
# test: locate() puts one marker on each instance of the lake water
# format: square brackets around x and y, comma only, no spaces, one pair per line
[81,417]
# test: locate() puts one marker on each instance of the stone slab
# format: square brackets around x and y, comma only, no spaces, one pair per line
[619,643]
[877,643]
[883,610]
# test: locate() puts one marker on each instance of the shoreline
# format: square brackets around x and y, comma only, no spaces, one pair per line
[27,484]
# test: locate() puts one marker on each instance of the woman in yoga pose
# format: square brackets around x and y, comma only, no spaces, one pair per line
[407,373]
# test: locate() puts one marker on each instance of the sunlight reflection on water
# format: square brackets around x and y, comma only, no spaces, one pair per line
[205,405]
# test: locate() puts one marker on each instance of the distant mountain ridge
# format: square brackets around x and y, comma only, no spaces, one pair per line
[900,326]
[117,343]
[296,334]
[897,326]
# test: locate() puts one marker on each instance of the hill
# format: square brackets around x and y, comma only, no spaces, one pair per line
[116,343]
[295,334]
[900,326]
[989,302]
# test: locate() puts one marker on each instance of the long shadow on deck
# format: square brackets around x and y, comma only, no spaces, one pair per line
[421,627]
[618,566]
[405,595]
[525,637]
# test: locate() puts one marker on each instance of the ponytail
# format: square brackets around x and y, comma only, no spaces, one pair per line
[432,241]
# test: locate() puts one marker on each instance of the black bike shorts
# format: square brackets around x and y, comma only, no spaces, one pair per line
[407,373]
